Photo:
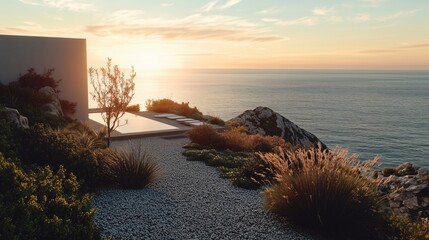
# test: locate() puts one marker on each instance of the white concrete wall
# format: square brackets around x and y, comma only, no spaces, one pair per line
[67,56]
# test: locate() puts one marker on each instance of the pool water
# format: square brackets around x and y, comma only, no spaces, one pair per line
[132,123]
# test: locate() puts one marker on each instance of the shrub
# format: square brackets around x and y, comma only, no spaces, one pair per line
[132,169]
[133,108]
[207,136]
[23,95]
[39,204]
[216,120]
[169,106]
[232,165]
[60,147]
[406,229]
[327,190]
[234,139]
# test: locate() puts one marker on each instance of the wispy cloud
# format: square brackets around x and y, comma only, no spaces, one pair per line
[194,27]
[269,11]
[230,3]
[167,4]
[323,11]
[305,21]
[373,3]
[215,4]
[209,6]
[394,49]
[364,17]
[71,5]
[34,28]
[361,17]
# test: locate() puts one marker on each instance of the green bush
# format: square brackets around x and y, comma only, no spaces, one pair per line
[406,229]
[52,147]
[8,145]
[39,204]
[169,106]
[133,169]
[23,95]
[232,165]
[325,190]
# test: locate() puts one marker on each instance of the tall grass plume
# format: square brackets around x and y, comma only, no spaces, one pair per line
[133,168]
[328,190]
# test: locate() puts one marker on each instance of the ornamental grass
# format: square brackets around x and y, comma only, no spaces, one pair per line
[330,191]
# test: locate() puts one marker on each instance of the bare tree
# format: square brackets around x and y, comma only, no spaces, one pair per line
[112,92]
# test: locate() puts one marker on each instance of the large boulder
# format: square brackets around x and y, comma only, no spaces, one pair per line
[54,107]
[13,116]
[264,121]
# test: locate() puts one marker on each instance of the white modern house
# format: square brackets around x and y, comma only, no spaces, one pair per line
[66,55]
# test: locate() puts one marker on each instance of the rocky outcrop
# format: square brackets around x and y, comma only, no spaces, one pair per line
[264,121]
[13,116]
[406,189]
[54,107]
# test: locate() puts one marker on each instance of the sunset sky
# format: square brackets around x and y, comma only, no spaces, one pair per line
[312,34]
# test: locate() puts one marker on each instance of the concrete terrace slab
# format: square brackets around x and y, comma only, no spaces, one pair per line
[142,124]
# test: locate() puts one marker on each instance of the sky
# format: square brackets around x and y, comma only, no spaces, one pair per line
[250,34]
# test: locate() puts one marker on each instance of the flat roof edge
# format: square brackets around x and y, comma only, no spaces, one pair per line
[46,37]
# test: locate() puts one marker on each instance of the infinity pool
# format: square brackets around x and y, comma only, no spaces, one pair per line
[132,123]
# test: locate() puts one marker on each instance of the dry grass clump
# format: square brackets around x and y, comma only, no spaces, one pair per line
[327,190]
[132,169]
[235,139]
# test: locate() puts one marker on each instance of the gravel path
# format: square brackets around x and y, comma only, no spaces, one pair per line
[189,201]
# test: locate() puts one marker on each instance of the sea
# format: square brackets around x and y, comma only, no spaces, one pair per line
[366,111]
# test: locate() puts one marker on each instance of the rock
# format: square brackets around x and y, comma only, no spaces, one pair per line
[13,116]
[264,121]
[416,188]
[411,203]
[423,171]
[406,169]
[53,107]
[407,191]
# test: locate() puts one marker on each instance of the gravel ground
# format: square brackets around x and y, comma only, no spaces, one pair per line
[189,201]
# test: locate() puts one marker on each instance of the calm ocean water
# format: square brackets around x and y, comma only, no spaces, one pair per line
[369,112]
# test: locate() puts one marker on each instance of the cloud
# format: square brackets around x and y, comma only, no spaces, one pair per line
[36,29]
[214,4]
[364,17]
[415,46]
[71,5]
[194,27]
[269,11]
[209,6]
[229,4]
[373,2]
[393,49]
[361,17]
[322,11]
[396,15]
[305,21]
[167,4]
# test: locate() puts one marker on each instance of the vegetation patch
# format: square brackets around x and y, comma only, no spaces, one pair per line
[132,169]
[169,106]
[232,152]
[327,190]
[41,204]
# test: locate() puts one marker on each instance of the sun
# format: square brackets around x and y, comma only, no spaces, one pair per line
[157,60]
